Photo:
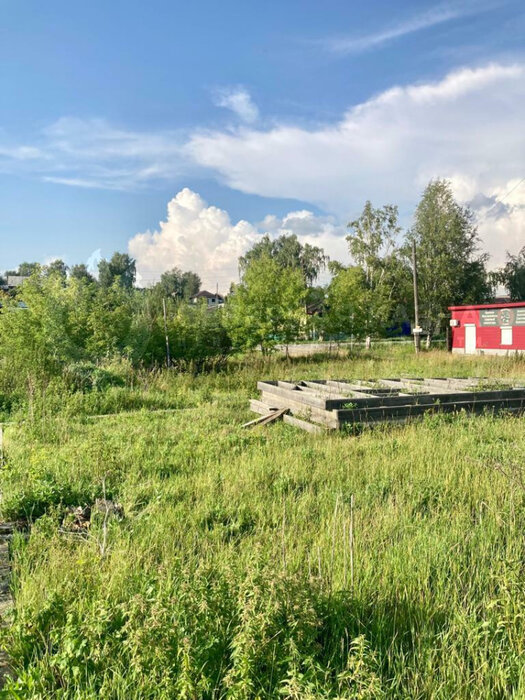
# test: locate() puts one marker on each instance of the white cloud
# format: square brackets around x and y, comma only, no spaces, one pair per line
[444,12]
[202,238]
[503,233]
[501,220]
[93,261]
[193,237]
[357,44]
[92,153]
[468,126]
[239,101]
[20,153]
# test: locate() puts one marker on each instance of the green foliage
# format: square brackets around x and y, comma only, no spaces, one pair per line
[81,272]
[179,285]
[449,270]
[348,304]
[289,253]
[56,268]
[65,329]
[110,322]
[373,245]
[25,269]
[85,376]
[372,242]
[512,275]
[353,308]
[267,307]
[35,340]
[198,336]
[121,269]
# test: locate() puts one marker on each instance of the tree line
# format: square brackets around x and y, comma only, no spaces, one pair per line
[61,319]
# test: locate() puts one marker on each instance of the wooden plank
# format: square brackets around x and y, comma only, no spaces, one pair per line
[316,415]
[304,425]
[306,398]
[301,410]
[389,400]
[357,385]
[417,386]
[383,413]
[405,384]
[263,408]
[362,391]
[457,381]
[292,394]
[430,399]
[287,385]
[447,383]
[264,420]
[350,389]
[322,390]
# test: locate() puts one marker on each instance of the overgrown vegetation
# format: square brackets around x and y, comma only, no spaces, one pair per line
[172,554]
[257,565]
[60,315]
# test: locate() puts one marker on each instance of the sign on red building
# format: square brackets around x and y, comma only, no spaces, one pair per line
[497,329]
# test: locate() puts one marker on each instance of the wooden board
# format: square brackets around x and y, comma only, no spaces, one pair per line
[381,413]
[301,410]
[333,403]
[264,420]
[259,407]
[304,425]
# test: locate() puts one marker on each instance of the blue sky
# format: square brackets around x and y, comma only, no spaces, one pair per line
[282,114]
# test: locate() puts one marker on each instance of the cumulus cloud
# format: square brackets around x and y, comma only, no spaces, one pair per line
[203,238]
[501,220]
[239,101]
[195,237]
[468,127]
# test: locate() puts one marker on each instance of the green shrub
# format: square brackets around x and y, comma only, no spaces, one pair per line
[84,376]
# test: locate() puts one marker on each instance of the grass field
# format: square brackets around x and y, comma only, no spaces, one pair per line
[267,563]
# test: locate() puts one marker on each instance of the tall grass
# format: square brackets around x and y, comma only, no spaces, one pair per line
[233,573]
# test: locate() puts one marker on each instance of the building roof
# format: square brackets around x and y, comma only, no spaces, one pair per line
[16,280]
[474,307]
[207,295]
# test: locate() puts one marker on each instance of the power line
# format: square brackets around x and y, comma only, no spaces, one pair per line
[501,199]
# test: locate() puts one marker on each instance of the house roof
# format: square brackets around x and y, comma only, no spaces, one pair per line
[15,280]
[475,307]
[207,295]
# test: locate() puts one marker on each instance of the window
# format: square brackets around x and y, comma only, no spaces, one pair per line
[506,335]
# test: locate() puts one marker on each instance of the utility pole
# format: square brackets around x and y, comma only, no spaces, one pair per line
[416,330]
[168,357]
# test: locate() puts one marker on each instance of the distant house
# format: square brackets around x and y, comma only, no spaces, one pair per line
[318,308]
[13,281]
[213,301]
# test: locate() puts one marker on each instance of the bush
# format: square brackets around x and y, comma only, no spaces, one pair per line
[84,377]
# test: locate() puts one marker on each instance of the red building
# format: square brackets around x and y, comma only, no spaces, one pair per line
[492,329]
